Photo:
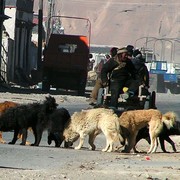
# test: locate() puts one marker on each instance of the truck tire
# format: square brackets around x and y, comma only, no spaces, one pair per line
[161,84]
[81,92]
[100,96]
[174,89]
[45,86]
[152,101]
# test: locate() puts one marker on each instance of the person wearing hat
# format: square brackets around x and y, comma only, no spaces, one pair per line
[119,72]
[141,68]
[98,84]
[130,49]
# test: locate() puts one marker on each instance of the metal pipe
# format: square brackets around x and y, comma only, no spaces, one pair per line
[75,17]
[40,26]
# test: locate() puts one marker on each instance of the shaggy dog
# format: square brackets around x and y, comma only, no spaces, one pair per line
[133,121]
[92,122]
[22,117]
[57,120]
[163,136]
[3,107]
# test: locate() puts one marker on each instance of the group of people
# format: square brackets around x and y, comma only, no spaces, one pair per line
[125,68]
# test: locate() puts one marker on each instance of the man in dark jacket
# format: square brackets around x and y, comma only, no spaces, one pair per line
[119,72]
[141,68]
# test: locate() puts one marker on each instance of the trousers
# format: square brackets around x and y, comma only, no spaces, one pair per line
[116,88]
[96,88]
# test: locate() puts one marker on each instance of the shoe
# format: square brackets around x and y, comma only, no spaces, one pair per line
[90,100]
[92,103]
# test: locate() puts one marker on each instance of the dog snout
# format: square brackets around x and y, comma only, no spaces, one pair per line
[67,144]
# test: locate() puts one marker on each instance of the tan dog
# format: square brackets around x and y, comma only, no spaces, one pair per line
[3,107]
[132,121]
[92,122]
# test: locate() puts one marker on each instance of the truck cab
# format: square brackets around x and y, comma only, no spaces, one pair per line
[65,63]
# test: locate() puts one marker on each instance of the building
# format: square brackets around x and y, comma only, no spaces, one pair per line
[18,52]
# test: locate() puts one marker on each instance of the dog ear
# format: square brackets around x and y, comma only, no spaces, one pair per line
[51,99]
[48,98]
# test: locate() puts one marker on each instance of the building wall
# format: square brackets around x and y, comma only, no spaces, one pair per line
[20,48]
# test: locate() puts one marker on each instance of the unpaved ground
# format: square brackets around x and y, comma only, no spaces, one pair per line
[48,162]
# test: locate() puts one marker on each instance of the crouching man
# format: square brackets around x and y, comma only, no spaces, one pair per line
[119,72]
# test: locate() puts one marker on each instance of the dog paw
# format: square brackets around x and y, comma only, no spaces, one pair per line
[22,144]
[49,141]
[125,151]
[104,150]
[77,148]
[57,145]
[109,150]
[28,143]
[11,143]
[34,145]
[92,148]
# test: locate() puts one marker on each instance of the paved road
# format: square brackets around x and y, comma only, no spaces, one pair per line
[48,162]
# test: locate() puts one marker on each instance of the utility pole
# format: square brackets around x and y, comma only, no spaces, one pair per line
[2,18]
[40,26]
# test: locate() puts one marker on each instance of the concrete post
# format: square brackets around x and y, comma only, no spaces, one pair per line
[2,4]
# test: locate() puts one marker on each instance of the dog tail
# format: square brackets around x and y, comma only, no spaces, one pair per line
[120,137]
[169,119]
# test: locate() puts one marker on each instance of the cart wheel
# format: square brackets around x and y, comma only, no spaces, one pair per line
[45,86]
[100,96]
[81,91]
[152,101]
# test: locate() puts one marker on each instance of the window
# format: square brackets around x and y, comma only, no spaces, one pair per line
[67,48]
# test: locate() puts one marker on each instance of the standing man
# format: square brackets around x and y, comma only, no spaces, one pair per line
[122,73]
[141,68]
[98,85]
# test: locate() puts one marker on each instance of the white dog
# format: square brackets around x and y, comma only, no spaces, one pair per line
[92,122]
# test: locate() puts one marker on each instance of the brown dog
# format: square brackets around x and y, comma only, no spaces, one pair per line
[132,121]
[3,107]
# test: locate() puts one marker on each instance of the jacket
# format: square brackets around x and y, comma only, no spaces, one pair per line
[117,70]
[142,71]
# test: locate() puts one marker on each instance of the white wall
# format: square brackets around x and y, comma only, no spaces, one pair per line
[10,23]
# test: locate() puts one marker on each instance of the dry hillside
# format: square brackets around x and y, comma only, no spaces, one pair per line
[122,22]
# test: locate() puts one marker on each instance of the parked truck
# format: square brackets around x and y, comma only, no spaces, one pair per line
[163,70]
[65,62]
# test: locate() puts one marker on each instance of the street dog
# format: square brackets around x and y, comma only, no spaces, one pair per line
[3,107]
[57,121]
[163,136]
[92,122]
[22,117]
[133,121]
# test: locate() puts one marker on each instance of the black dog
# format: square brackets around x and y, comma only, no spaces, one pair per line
[163,136]
[57,121]
[22,117]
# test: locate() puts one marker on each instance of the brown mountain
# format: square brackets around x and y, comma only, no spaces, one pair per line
[122,22]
